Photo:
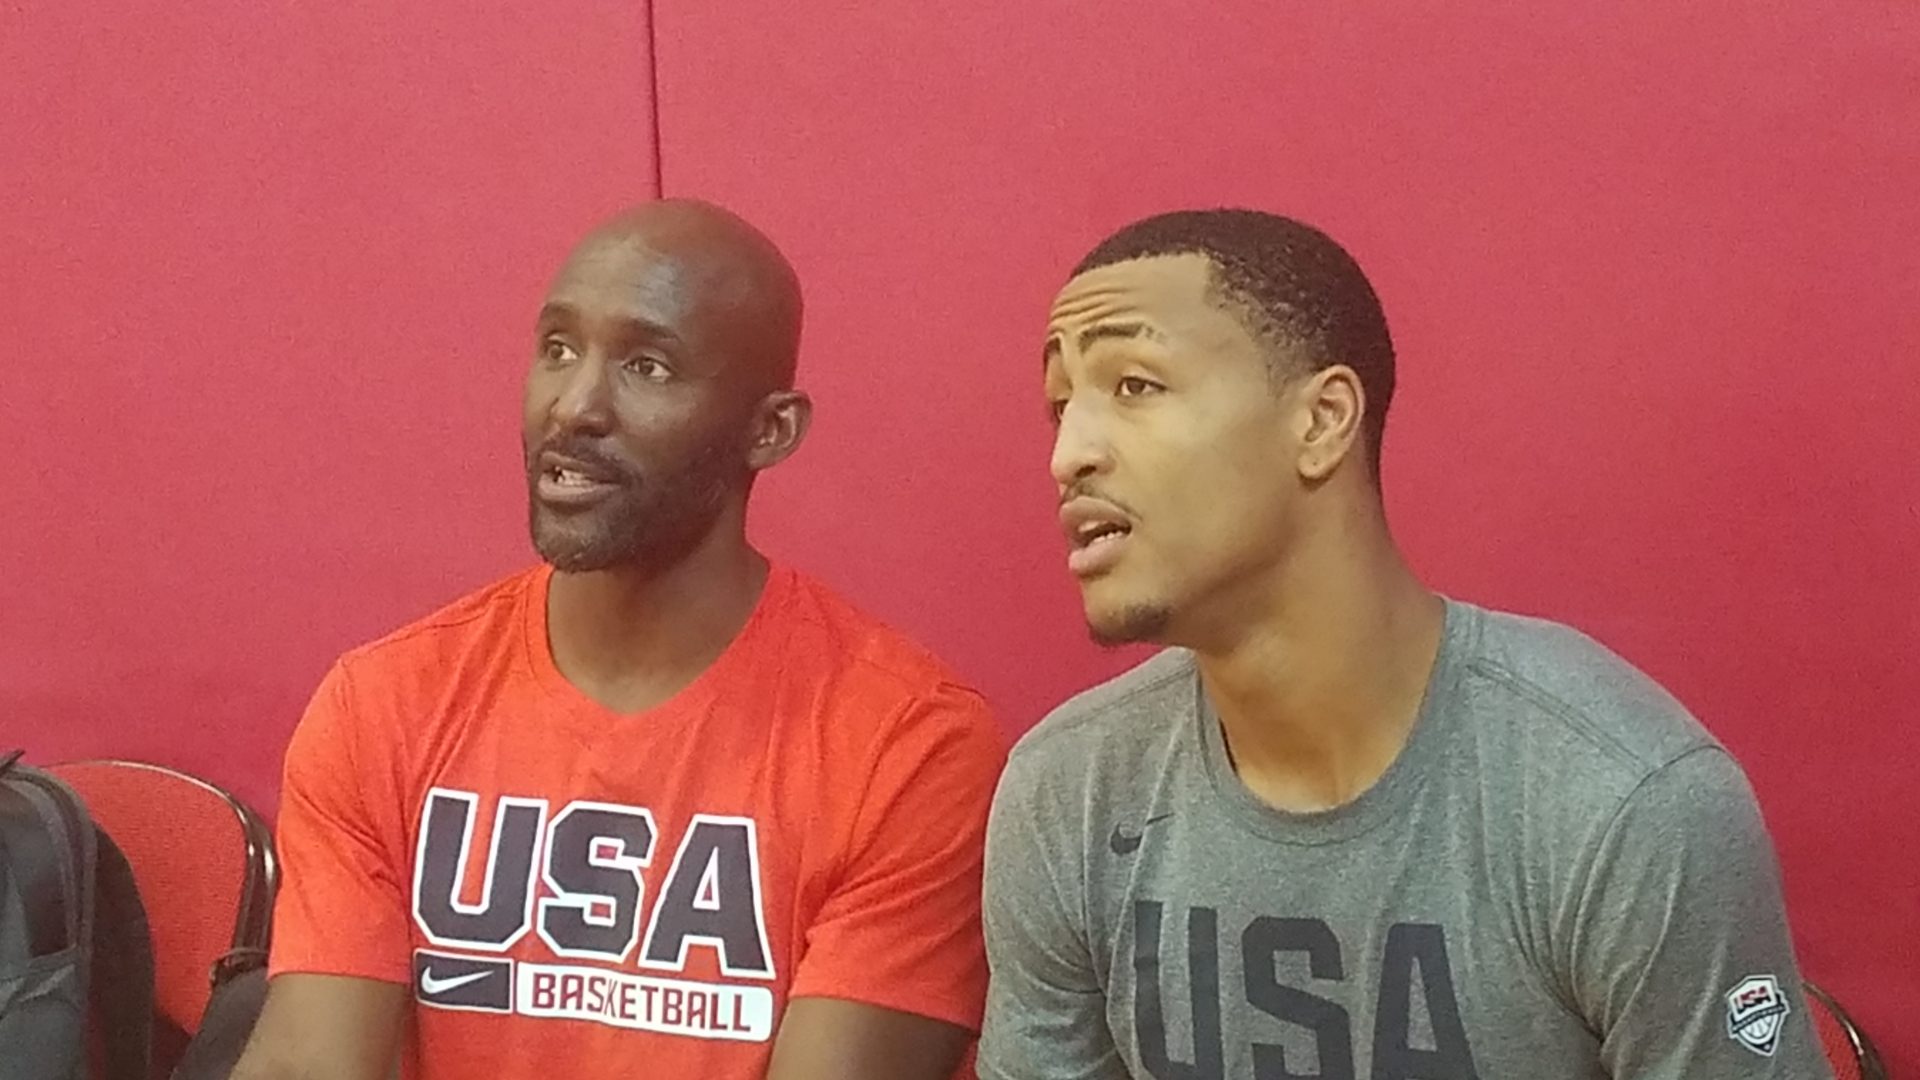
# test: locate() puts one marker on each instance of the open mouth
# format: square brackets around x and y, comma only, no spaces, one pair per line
[564,481]
[1097,533]
[1092,534]
[570,478]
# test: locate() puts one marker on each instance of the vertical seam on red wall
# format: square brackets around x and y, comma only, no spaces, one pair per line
[653,95]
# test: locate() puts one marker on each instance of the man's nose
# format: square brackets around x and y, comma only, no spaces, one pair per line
[585,401]
[1080,447]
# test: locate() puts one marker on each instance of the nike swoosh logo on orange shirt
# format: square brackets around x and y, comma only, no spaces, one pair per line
[430,985]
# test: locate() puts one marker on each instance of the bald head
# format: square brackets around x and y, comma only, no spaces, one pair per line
[662,384]
[724,279]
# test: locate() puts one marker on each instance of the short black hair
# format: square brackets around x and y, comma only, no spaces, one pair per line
[1294,289]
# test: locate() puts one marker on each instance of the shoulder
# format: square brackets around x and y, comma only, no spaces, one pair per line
[1109,728]
[1558,696]
[865,667]
[392,691]
[488,617]
[904,746]
[839,635]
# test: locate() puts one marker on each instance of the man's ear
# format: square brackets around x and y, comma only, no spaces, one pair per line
[1333,406]
[780,422]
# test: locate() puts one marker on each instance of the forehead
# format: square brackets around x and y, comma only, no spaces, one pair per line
[624,277]
[1167,292]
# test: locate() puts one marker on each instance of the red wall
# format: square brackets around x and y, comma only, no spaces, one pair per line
[1653,270]
[266,274]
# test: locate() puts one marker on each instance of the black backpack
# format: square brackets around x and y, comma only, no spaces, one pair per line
[74,946]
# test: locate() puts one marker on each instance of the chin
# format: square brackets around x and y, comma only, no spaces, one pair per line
[577,550]
[1128,624]
[572,558]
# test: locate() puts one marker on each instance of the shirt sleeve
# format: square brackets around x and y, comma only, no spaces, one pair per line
[1682,960]
[342,907]
[1046,1009]
[901,929]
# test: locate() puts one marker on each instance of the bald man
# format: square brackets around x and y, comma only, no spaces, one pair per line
[655,807]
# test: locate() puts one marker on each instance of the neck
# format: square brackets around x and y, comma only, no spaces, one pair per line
[1319,675]
[630,637]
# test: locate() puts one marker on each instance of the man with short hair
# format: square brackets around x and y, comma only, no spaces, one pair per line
[1345,827]
[656,808]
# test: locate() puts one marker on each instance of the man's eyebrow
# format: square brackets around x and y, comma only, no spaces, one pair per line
[1116,330]
[560,311]
[1106,331]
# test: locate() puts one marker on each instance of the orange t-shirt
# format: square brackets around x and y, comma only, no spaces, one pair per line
[575,893]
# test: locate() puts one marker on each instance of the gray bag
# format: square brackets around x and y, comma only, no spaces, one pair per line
[73,938]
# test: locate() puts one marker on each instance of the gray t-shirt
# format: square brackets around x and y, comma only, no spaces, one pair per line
[1561,876]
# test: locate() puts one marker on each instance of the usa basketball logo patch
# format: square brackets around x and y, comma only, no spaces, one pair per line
[1756,1014]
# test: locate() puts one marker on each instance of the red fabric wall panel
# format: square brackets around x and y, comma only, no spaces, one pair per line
[268,275]
[1653,271]
[265,277]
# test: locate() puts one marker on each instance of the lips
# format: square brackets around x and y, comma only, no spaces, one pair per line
[564,481]
[1098,532]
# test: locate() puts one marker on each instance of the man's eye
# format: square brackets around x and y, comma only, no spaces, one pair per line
[1135,386]
[651,368]
[1056,409]
[555,351]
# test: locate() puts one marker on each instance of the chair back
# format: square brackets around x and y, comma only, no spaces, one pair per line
[1849,1051]
[205,868]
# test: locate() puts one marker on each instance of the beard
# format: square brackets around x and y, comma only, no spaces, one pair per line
[1130,625]
[647,523]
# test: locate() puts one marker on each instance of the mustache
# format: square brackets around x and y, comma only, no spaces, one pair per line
[1081,489]
[583,451]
